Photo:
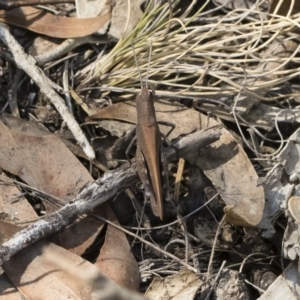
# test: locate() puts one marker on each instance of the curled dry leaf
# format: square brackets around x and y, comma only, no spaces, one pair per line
[44,162]
[224,162]
[294,208]
[55,26]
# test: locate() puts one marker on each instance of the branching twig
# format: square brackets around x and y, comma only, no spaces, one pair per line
[98,192]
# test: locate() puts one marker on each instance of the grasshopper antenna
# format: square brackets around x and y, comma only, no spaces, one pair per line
[137,65]
[149,59]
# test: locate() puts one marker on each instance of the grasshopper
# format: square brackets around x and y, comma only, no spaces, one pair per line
[151,163]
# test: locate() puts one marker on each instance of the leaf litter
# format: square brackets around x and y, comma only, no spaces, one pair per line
[228,72]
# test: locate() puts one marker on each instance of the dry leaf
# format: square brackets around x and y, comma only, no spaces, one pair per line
[14,207]
[55,26]
[103,288]
[227,165]
[286,286]
[7,289]
[183,285]
[43,161]
[289,159]
[124,18]
[126,111]
[289,156]
[224,162]
[90,9]
[41,45]
[294,208]
[277,193]
[35,278]
[114,261]
[40,159]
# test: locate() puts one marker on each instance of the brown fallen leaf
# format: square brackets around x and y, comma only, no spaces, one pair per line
[8,290]
[14,207]
[122,111]
[35,278]
[55,26]
[121,268]
[103,288]
[224,162]
[126,111]
[43,161]
[294,208]
[19,211]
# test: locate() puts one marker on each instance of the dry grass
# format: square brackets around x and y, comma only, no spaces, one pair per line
[226,50]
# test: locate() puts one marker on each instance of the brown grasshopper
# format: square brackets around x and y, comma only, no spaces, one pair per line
[150,158]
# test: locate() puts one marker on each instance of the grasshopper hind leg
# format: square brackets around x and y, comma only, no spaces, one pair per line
[165,177]
[143,174]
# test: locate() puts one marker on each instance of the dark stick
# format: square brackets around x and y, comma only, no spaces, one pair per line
[98,192]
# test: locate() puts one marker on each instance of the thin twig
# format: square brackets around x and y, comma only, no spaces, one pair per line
[67,46]
[27,63]
[177,221]
[149,244]
[65,80]
[216,280]
[209,268]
